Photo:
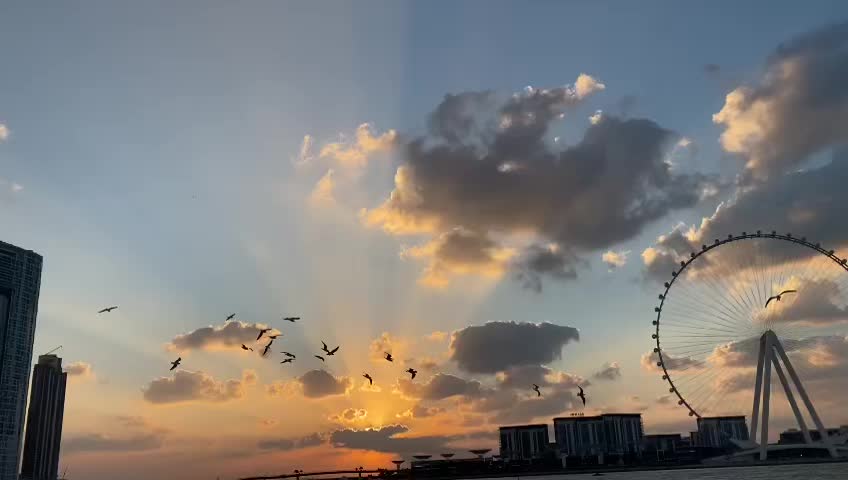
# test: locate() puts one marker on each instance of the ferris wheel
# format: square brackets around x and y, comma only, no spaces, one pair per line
[739,308]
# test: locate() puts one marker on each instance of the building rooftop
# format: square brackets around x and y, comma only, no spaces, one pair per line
[514,427]
[597,417]
[725,417]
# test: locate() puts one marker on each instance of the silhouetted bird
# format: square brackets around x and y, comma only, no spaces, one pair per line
[245,347]
[265,350]
[262,332]
[319,357]
[582,395]
[230,317]
[412,372]
[107,310]
[290,355]
[288,360]
[389,357]
[324,347]
[370,380]
[536,389]
[176,363]
[333,351]
[291,319]
[777,297]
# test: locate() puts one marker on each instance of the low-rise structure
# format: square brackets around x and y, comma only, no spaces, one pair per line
[718,432]
[617,434]
[523,442]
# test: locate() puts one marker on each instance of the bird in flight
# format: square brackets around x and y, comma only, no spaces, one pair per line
[230,317]
[107,310]
[582,395]
[536,389]
[333,351]
[777,297]
[265,350]
[412,372]
[291,319]
[176,363]
[319,357]
[290,355]
[245,347]
[389,357]
[262,332]
[370,380]
[288,360]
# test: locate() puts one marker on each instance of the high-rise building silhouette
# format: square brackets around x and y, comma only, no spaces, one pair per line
[20,282]
[44,420]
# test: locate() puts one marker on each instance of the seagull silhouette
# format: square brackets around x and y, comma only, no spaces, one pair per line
[245,347]
[389,357]
[288,360]
[107,310]
[265,350]
[176,363]
[290,355]
[262,332]
[333,351]
[777,297]
[582,395]
[536,389]
[230,317]
[291,319]
[370,380]
[412,372]
[319,357]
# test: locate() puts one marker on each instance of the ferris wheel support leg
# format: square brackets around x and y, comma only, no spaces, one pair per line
[803,393]
[755,414]
[792,403]
[768,353]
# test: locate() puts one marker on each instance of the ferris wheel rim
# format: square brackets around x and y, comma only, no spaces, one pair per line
[666,376]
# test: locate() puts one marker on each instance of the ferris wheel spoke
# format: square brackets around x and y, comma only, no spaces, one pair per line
[730,321]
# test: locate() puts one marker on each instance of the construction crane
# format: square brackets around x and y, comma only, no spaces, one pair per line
[51,351]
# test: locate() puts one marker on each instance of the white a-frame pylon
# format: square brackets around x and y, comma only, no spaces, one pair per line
[770,355]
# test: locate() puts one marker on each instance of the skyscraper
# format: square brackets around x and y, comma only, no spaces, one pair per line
[20,282]
[44,420]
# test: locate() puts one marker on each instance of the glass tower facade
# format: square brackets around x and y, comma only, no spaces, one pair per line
[20,282]
[44,420]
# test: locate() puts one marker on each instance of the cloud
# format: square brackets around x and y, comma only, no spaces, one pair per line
[188,386]
[496,180]
[587,85]
[521,377]
[437,336]
[649,362]
[349,415]
[596,117]
[440,386]
[97,442]
[497,346]
[550,261]
[322,194]
[385,343]
[663,400]
[305,155]
[79,369]
[798,108]
[249,377]
[388,439]
[320,383]
[268,422]
[355,153]
[608,371]
[421,411]
[231,335]
[4,132]
[615,259]
[286,444]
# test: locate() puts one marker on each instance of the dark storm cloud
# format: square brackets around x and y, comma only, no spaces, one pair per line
[320,383]
[608,371]
[498,346]
[440,386]
[799,108]
[457,116]
[186,386]
[229,335]
[507,180]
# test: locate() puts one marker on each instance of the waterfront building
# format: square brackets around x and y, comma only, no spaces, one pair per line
[20,284]
[718,432]
[44,420]
[617,434]
[523,442]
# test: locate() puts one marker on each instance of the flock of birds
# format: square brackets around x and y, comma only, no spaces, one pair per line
[327,352]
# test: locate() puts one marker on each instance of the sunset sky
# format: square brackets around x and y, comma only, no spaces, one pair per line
[489,190]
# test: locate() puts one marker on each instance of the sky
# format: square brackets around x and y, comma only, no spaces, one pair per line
[491,191]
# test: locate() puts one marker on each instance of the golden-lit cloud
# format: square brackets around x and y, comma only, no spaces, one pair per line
[615,259]
[349,415]
[437,336]
[229,336]
[355,153]
[79,370]
[188,386]
[4,132]
[322,194]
